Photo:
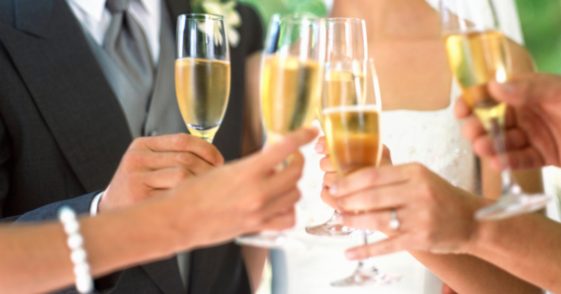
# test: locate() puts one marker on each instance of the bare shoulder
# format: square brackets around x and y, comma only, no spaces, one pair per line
[522,61]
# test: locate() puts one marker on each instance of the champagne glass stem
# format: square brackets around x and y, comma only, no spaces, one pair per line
[513,200]
[496,132]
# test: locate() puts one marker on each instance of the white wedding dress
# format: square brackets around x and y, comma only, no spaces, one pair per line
[429,137]
[432,138]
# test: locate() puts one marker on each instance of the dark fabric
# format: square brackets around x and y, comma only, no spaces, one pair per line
[63,132]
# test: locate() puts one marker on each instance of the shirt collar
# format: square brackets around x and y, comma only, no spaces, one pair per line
[95,8]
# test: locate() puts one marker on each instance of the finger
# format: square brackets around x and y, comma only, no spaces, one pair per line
[181,143]
[321,146]
[280,222]
[326,165]
[280,203]
[473,129]
[515,139]
[382,197]
[386,156]
[330,178]
[166,178]
[162,160]
[461,109]
[394,244]
[288,177]
[527,158]
[372,220]
[275,154]
[329,199]
[527,88]
[368,178]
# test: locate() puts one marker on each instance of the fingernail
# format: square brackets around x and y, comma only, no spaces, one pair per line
[507,87]
[333,189]
[319,148]
[350,255]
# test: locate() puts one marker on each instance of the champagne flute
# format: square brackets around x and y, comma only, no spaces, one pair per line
[352,129]
[290,91]
[478,52]
[202,73]
[345,46]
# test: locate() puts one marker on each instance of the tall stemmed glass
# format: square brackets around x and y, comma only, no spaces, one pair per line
[344,46]
[478,52]
[202,72]
[290,91]
[352,129]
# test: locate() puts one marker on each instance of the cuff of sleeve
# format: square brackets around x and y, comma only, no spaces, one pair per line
[95,204]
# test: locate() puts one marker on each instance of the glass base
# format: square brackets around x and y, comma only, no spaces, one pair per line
[513,205]
[331,228]
[367,275]
[269,239]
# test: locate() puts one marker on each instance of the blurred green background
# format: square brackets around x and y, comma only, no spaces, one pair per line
[540,20]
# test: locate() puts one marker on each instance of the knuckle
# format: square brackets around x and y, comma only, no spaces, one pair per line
[181,140]
[185,159]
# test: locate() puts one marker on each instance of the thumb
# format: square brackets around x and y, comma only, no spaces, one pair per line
[527,88]
[275,154]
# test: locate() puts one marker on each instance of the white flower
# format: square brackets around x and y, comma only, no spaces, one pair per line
[232,20]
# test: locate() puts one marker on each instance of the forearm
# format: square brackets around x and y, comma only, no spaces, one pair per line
[527,246]
[469,275]
[254,258]
[35,258]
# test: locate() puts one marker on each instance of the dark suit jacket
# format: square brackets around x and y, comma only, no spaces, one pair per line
[63,133]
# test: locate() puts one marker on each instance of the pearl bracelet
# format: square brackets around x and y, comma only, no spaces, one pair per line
[75,241]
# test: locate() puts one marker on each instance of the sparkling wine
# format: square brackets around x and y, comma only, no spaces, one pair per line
[476,58]
[203,89]
[353,137]
[290,90]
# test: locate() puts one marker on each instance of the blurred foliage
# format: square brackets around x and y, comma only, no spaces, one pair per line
[540,20]
[541,24]
[269,7]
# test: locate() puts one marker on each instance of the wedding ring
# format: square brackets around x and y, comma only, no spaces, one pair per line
[394,222]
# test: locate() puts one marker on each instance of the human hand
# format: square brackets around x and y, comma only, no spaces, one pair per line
[434,216]
[533,124]
[244,197]
[153,165]
[331,175]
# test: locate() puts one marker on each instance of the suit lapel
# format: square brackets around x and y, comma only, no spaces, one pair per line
[69,89]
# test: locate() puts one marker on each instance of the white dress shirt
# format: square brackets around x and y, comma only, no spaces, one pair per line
[95,19]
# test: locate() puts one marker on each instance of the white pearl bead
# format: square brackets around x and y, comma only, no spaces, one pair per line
[78,256]
[75,242]
[66,215]
[82,269]
[84,284]
[72,227]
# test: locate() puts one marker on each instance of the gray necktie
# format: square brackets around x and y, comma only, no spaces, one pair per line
[127,45]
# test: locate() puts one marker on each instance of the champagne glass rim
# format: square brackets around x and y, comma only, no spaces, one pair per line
[342,19]
[201,16]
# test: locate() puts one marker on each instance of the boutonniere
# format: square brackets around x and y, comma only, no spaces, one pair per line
[232,19]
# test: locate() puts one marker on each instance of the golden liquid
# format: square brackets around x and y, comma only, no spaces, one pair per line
[343,88]
[353,137]
[203,90]
[475,59]
[290,92]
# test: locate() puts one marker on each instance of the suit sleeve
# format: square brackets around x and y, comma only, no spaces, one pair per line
[81,205]
[5,154]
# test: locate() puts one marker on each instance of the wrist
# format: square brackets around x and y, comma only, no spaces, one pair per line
[484,231]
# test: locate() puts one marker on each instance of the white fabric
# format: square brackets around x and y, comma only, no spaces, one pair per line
[430,137]
[95,18]
[94,207]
